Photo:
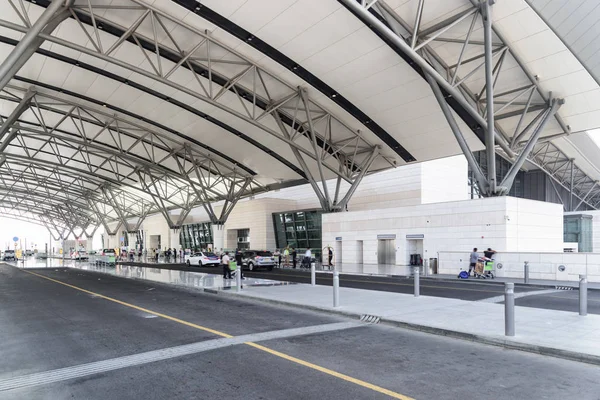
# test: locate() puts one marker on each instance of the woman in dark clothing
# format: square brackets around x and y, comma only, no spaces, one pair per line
[239,260]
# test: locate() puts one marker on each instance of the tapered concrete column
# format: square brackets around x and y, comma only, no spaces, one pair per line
[218,237]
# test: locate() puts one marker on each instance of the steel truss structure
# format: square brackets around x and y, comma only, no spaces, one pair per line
[83,166]
[121,170]
[465,60]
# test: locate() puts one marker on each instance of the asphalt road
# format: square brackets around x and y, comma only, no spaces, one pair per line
[472,290]
[46,325]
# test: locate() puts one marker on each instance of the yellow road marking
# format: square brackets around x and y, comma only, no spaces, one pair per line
[307,364]
[180,321]
[331,372]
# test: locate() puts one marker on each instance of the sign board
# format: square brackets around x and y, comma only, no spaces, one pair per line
[338,238]
[15,239]
[416,236]
[387,236]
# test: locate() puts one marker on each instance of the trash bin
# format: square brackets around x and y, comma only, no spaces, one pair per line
[433,266]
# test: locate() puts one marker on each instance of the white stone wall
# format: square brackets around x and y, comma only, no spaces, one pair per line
[445,180]
[450,226]
[391,202]
[541,265]
[156,225]
[426,182]
[534,225]
[256,215]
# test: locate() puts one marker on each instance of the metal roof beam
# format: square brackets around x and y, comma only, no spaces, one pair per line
[10,121]
[254,97]
[56,12]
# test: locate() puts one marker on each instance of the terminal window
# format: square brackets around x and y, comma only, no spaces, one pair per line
[298,229]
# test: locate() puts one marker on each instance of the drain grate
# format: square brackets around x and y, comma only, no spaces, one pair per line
[370,319]
[564,288]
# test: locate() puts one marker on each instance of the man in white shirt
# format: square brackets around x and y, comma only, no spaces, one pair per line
[307,258]
[225,262]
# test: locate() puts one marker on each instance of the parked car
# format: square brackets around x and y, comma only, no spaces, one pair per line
[80,255]
[201,258]
[28,253]
[9,255]
[252,259]
[108,252]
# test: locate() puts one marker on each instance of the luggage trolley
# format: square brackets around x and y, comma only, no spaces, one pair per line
[484,269]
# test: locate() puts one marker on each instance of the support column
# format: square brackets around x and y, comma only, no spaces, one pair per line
[490,142]
[89,243]
[132,238]
[174,238]
[572,184]
[218,236]
[113,241]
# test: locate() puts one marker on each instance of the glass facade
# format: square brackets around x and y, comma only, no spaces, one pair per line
[578,229]
[299,229]
[502,168]
[243,239]
[196,236]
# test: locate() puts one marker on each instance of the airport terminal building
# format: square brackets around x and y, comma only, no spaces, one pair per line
[382,129]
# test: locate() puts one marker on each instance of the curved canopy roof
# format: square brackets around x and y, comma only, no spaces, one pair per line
[129,107]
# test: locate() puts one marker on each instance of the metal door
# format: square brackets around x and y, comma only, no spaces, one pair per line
[386,252]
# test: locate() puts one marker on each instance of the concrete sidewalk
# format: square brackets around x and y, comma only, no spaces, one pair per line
[517,281]
[554,333]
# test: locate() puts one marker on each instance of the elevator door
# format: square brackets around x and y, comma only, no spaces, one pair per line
[386,251]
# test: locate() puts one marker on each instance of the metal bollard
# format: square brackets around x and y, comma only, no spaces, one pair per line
[336,289]
[313,275]
[238,279]
[509,309]
[526,272]
[583,284]
[417,281]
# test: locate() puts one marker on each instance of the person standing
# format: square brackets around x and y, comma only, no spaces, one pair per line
[473,260]
[239,260]
[489,253]
[294,254]
[330,254]
[286,254]
[277,256]
[225,262]
[307,258]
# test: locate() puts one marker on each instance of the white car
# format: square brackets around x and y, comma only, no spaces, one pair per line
[203,258]
[80,255]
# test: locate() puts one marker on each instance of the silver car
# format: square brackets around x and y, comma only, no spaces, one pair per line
[253,259]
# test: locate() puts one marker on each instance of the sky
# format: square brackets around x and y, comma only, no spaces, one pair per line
[35,234]
[595,135]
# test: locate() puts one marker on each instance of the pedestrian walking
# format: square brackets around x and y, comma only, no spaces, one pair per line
[473,260]
[225,263]
[330,254]
[307,258]
[294,255]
